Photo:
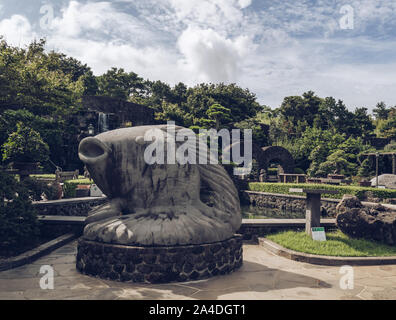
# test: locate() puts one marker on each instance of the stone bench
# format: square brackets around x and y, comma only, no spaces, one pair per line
[63,176]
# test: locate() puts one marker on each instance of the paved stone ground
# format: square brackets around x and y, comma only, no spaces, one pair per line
[263,276]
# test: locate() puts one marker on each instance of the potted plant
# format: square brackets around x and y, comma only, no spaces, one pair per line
[25,148]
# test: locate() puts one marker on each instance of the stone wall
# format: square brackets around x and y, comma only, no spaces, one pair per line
[159,264]
[286,202]
[68,207]
[249,231]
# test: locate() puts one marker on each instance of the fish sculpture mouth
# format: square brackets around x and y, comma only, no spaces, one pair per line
[92,151]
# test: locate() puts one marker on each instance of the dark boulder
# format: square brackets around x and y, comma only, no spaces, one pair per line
[371,222]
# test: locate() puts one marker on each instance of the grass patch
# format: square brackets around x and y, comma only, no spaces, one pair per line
[360,192]
[50,176]
[337,244]
[81,180]
[43,176]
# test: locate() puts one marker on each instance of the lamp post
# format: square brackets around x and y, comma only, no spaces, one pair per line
[91,130]
[376,168]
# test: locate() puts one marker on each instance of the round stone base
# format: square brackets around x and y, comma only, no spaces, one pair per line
[159,264]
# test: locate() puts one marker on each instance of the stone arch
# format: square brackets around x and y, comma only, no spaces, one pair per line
[265,155]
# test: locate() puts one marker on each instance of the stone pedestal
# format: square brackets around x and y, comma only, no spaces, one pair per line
[159,264]
[312,215]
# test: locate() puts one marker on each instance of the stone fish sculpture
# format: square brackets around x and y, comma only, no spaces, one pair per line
[157,204]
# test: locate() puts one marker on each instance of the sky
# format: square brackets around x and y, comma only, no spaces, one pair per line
[275,48]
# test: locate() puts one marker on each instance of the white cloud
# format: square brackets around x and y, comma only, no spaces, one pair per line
[200,54]
[294,67]
[100,20]
[218,14]
[244,3]
[210,57]
[275,48]
[103,37]
[148,62]
[17,30]
[78,18]
[368,12]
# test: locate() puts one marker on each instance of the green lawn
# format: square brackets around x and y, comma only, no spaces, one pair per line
[337,244]
[80,180]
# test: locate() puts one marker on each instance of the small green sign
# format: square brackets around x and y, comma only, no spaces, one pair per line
[318,234]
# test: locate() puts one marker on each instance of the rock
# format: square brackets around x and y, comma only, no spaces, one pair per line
[348,202]
[370,222]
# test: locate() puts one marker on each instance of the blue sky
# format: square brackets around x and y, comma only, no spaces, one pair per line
[275,48]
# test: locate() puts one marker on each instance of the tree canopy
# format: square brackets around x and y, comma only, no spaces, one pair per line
[44,91]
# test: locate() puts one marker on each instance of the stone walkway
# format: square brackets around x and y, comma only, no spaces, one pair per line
[263,276]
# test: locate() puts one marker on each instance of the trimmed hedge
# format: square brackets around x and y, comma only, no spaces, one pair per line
[70,186]
[360,192]
[43,176]
[80,181]
[50,176]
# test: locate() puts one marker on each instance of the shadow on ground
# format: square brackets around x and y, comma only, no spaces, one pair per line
[252,281]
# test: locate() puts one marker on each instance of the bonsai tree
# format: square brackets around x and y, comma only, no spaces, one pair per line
[365,169]
[336,163]
[218,115]
[25,145]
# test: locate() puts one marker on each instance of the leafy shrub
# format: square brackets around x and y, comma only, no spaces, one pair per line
[366,169]
[69,190]
[336,163]
[25,145]
[360,192]
[390,147]
[39,188]
[70,186]
[18,221]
